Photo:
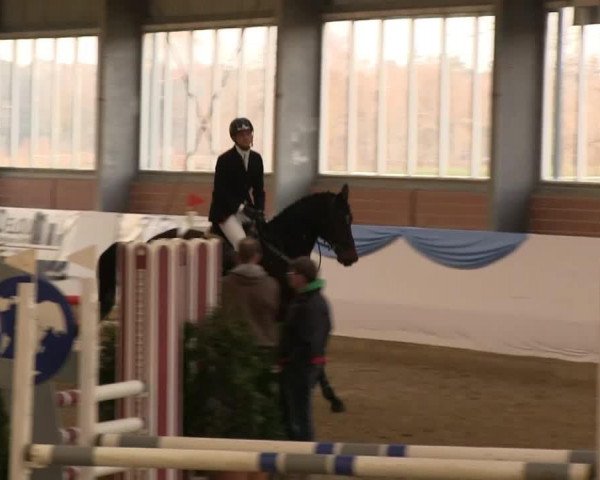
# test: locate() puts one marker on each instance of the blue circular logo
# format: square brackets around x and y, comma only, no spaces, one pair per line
[55,331]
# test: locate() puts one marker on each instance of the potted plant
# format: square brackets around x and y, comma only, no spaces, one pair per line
[230,389]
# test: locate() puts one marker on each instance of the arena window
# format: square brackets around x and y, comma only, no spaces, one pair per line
[571,123]
[48,102]
[193,84]
[407,96]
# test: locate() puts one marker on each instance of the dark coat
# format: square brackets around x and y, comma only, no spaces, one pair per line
[233,184]
[306,329]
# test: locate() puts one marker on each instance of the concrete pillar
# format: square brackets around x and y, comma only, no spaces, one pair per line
[297,99]
[517,111]
[119,100]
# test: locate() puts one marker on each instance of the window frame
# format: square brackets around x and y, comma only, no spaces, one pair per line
[412,14]
[37,171]
[551,154]
[268,133]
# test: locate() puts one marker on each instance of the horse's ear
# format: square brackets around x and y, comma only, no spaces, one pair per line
[344,192]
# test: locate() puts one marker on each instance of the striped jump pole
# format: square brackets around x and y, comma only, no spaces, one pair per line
[74,473]
[348,465]
[90,393]
[71,435]
[162,285]
[110,391]
[21,418]
[361,449]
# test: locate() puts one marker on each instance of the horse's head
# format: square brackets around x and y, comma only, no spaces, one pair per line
[337,229]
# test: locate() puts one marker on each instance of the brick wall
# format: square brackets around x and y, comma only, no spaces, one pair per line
[57,193]
[155,197]
[169,197]
[418,207]
[575,211]
[451,209]
[370,205]
[565,214]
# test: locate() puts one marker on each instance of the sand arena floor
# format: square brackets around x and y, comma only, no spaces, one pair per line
[416,394]
[423,395]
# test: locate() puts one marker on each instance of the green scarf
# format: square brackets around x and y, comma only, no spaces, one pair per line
[314,285]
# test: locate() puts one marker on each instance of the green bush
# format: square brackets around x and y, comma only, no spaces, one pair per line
[230,390]
[107,367]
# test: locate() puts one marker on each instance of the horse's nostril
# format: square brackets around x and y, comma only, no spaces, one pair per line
[348,257]
[349,261]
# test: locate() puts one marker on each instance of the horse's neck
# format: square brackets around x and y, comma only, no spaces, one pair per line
[296,239]
[296,230]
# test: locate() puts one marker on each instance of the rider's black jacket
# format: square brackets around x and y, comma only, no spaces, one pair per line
[234,185]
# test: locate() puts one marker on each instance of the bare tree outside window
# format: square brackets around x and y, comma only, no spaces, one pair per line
[194,83]
[571,128]
[407,96]
[47,117]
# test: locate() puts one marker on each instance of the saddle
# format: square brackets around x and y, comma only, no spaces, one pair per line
[254,227]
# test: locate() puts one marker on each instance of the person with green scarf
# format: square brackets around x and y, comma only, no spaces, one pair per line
[303,346]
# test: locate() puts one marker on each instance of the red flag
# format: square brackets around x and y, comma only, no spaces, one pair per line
[194,200]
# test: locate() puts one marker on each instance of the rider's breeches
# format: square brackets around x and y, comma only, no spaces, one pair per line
[233,230]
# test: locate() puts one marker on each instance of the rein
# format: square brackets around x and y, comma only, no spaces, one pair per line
[262,238]
[320,256]
[276,251]
[326,244]
[284,257]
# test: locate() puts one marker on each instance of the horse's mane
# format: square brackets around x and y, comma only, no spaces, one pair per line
[306,206]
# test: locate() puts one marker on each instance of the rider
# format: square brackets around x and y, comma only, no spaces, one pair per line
[239,171]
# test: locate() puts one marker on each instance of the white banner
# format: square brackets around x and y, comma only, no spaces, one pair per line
[55,234]
[138,227]
[43,230]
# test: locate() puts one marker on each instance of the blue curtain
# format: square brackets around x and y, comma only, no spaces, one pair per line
[463,249]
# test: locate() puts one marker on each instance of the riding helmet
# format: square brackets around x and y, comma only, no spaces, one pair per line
[239,125]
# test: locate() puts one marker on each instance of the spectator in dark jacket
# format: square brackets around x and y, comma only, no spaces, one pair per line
[248,289]
[303,345]
[238,182]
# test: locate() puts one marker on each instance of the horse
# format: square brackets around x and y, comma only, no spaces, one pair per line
[292,233]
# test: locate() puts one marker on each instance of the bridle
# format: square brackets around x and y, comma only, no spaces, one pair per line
[324,243]
[333,246]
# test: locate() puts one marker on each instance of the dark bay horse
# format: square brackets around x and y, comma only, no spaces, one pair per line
[292,233]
